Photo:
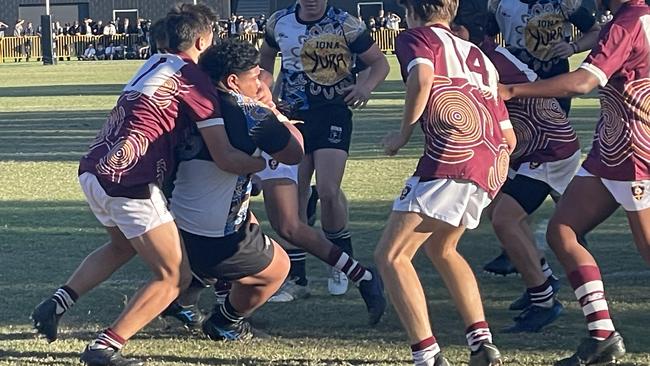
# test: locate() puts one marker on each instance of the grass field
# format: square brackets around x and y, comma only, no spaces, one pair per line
[48,115]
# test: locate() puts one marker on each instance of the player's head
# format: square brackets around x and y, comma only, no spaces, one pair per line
[234,64]
[159,35]
[420,12]
[313,8]
[189,27]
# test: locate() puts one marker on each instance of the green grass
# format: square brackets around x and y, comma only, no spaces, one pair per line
[48,115]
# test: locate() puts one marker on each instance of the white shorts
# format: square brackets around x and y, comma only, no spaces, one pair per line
[633,196]
[133,217]
[557,174]
[276,170]
[456,202]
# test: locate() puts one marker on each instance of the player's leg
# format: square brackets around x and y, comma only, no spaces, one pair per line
[520,197]
[404,234]
[95,268]
[281,202]
[185,308]
[256,272]
[640,225]
[585,204]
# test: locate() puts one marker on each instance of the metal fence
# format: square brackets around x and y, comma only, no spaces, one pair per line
[28,48]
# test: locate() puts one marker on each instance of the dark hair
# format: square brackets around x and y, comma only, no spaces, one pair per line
[476,24]
[184,23]
[231,56]
[432,9]
[159,35]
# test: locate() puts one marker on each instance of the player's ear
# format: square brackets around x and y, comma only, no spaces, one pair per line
[232,82]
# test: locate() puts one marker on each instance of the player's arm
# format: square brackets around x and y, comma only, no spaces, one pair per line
[268,53]
[573,83]
[418,88]
[225,156]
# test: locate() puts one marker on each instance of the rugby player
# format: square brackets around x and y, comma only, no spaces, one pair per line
[319,43]
[221,235]
[546,158]
[121,176]
[536,32]
[451,89]
[616,171]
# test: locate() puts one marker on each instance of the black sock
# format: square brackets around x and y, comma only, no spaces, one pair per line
[226,314]
[298,258]
[341,239]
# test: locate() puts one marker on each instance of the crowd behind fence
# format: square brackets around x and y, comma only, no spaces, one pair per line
[67,47]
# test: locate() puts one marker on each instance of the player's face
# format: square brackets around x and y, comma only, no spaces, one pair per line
[313,8]
[248,82]
[460,31]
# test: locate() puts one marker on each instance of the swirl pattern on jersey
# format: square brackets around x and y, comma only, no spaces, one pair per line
[123,155]
[538,122]
[167,93]
[613,133]
[459,125]
[637,94]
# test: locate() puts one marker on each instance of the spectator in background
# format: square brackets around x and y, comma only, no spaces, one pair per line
[380,20]
[372,25]
[392,21]
[261,23]
[99,52]
[254,28]
[233,26]
[3,28]
[109,29]
[143,50]
[29,30]
[18,28]
[109,52]
[125,27]
[86,28]
[57,29]
[75,29]
[89,53]
[98,28]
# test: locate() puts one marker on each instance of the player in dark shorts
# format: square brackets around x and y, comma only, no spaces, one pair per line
[616,171]
[468,140]
[318,43]
[222,238]
[546,158]
[122,175]
[537,33]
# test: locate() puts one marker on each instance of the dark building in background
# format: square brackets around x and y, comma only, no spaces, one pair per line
[251,8]
[68,11]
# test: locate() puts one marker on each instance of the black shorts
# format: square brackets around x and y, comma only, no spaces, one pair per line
[242,254]
[326,129]
[528,192]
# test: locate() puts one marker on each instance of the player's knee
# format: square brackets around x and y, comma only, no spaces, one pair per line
[329,194]
[387,258]
[288,229]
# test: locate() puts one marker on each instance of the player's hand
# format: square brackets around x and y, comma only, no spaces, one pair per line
[562,50]
[357,95]
[506,92]
[392,143]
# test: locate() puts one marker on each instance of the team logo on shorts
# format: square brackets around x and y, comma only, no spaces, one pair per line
[405,192]
[335,134]
[273,164]
[638,191]
[533,165]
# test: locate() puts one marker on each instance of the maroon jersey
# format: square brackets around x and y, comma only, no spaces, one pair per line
[463,118]
[135,147]
[621,62]
[543,131]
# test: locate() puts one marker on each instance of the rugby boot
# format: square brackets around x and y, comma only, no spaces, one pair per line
[46,322]
[189,315]
[107,357]
[534,318]
[372,292]
[500,265]
[594,352]
[240,331]
[487,355]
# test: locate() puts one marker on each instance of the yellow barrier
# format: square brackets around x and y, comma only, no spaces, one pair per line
[67,47]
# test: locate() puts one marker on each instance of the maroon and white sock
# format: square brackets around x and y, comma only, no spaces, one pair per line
[424,352]
[477,334]
[542,296]
[590,292]
[108,339]
[348,265]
